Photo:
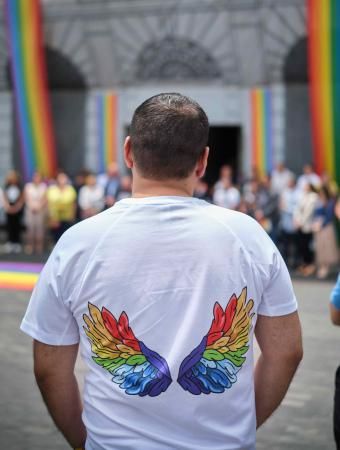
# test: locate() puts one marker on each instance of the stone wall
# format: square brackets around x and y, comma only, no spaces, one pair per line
[214,51]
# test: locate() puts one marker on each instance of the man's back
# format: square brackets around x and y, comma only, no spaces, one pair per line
[163,292]
[176,284]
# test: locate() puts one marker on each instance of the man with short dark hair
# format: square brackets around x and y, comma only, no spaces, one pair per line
[164,293]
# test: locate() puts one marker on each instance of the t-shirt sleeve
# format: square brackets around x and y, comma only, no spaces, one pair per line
[47,318]
[278,298]
[335,295]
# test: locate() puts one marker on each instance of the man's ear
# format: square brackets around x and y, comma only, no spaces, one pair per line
[202,163]
[127,153]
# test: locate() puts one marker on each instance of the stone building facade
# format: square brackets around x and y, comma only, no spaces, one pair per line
[216,51]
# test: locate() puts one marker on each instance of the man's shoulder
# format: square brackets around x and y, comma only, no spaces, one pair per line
[247,230]
[78,243]
[89,230]
[231,218]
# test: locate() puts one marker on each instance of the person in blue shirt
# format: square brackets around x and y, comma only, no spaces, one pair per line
[335,317]
[335,303]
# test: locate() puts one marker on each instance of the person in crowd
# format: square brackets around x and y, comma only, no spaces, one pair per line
[335,317]
[267,208]
[308,177]
[280,178]
[325,243]
[226,195]
[13,201]
[164,294]
[255,174]
[111,185]
[91,197]
[226,172]
[303,219]
[243,207]
[262,204]
[337,220]
[250,186]
[79,182]
[249,196]
[80,179]
[125,187]
[330,184]
[202,191]
[61,199]
[35,214]
[288,236]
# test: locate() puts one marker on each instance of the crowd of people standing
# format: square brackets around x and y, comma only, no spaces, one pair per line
[45,209]
[299,213]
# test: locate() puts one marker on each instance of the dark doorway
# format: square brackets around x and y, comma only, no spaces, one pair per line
[225,144]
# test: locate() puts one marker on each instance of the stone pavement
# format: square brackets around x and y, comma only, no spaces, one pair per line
[302,422]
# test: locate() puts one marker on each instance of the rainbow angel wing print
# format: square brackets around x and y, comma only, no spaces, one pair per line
[135,368]
[214,364]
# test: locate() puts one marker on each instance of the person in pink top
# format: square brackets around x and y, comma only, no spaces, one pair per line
[35,214]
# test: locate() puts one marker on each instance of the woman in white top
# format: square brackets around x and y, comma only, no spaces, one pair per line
[226,195]
[35,214]
[91,198]
[304,221]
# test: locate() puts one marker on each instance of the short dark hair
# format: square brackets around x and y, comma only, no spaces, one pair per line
[168,135]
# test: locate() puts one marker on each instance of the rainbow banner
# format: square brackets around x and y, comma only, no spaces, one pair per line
[28,69]
[261,130]
[107,130]
[19,276]
[324,75]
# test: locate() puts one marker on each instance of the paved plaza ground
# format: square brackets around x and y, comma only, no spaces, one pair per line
[302,422]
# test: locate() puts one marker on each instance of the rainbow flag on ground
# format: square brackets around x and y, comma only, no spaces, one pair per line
[107,130]
[261,130]
[19,276]
[324,73]
[28,69]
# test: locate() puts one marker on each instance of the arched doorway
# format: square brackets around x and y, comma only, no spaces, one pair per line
[68,95]
[176,59]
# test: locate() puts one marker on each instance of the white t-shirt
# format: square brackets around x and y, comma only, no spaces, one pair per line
[138,285]
[309,178]
[91,197]
[35,195]
[227,198]
[280,180]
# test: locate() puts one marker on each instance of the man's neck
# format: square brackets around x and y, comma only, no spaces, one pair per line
[142,187]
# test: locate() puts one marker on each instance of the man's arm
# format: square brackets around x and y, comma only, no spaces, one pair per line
[280,341]
[335,314]
[54,373]
[335,303]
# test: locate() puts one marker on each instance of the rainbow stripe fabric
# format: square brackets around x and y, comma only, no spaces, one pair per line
[107,126]
[261,130]
[324,74]
[28,69]
[19,276]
